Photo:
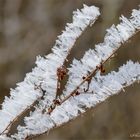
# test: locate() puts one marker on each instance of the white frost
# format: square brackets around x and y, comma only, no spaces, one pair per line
[114,38]
[101,87]
[44,74]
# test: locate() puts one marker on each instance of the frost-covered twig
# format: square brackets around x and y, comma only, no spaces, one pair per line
[101,87]
[40,86]
[93,60]
[43,78]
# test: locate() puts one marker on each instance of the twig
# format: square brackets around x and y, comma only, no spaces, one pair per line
[100,67]
[107,89]
[53,106]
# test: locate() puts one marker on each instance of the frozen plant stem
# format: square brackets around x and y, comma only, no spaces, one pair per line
[40,87]
[102,87]
[87,67]
[115,37]
[44,76]
[93,60]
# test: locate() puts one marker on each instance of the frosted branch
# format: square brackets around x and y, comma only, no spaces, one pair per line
[43,78]
[40,86]
[101,87]
[92,60]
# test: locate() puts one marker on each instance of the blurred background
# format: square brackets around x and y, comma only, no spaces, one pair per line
[29,28]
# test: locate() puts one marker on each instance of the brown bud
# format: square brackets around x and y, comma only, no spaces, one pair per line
[56,102]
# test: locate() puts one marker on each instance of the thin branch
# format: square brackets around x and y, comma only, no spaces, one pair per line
[114,39]
[91,62]
[73,103]
[102,87]
[45,74]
